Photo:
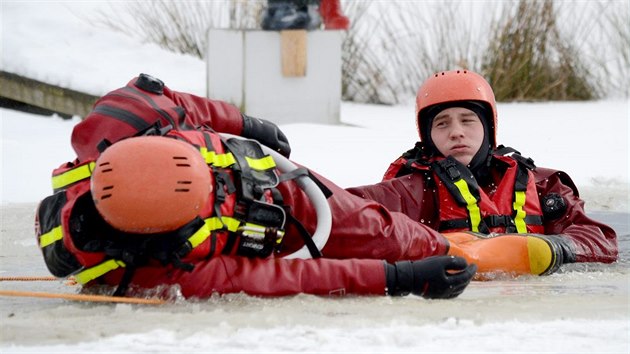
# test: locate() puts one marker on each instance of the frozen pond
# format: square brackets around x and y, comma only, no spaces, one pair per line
[582,309]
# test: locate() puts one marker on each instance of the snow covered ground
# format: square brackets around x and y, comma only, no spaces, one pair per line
[585,308]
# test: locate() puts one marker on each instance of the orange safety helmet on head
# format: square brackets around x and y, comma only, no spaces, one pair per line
[449,87]
[151,184]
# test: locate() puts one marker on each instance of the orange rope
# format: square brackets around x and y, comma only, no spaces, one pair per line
[69,281]
[83,297]
[29,278]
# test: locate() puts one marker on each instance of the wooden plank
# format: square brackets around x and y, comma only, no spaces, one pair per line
[43,95]
[293,53]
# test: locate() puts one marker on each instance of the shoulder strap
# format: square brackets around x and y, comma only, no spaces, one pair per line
[415,158]
[516,155]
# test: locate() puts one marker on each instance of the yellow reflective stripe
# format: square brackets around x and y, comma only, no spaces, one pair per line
[519,218]
[224,160]
[227,160]
[200,235]
[262,164]
[471,205]
[92,273]
[72,176]
[218,160]
[210,225]
[51,237]
[230,223]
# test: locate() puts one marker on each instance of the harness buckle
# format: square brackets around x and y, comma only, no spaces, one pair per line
[501,221]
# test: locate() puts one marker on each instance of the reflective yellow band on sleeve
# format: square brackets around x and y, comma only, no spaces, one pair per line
[72,176]
[262,164]
[471,204]
[519,218]
[92,273]
[51,237]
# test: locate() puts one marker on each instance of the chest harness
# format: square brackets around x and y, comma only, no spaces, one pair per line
[463,206]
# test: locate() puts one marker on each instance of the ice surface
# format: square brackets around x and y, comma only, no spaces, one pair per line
[583,309]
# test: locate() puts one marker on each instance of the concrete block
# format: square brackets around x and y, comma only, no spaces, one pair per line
[245,68]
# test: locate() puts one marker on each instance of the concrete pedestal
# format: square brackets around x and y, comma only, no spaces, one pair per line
[279,76]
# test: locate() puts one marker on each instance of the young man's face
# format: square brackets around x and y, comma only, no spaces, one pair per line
[457,132]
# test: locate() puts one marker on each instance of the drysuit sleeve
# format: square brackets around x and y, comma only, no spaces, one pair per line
[141,106]
[270,277]
[364,228]
[407,194]
[591,240]
[203,112]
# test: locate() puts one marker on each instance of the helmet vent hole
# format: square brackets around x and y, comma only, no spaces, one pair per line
[105,169]
[105,196]
[181,158]
[183,189]
[106,188]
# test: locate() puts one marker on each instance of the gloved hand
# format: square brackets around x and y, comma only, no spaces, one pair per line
[437,277]
[267,134]
[548,253]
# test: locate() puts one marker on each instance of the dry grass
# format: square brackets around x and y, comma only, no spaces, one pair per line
[528,49]
[529,60]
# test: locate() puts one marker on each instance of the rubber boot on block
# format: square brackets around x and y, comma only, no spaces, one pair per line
[332,16]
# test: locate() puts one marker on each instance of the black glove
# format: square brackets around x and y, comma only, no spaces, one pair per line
[430,278]
[266,133]
[561,251]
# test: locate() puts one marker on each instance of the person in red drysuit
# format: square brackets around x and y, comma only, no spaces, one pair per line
[157,196]
[496,207]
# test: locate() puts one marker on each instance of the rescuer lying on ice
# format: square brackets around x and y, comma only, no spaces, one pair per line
[498,210]
[157,197]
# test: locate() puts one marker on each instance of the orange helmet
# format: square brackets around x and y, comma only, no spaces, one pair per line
[151,184]
[449,87]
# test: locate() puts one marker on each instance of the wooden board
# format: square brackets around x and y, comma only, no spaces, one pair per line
[293,53]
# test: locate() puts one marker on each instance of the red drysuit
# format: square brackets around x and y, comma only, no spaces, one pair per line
[412,195]
[364,233]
